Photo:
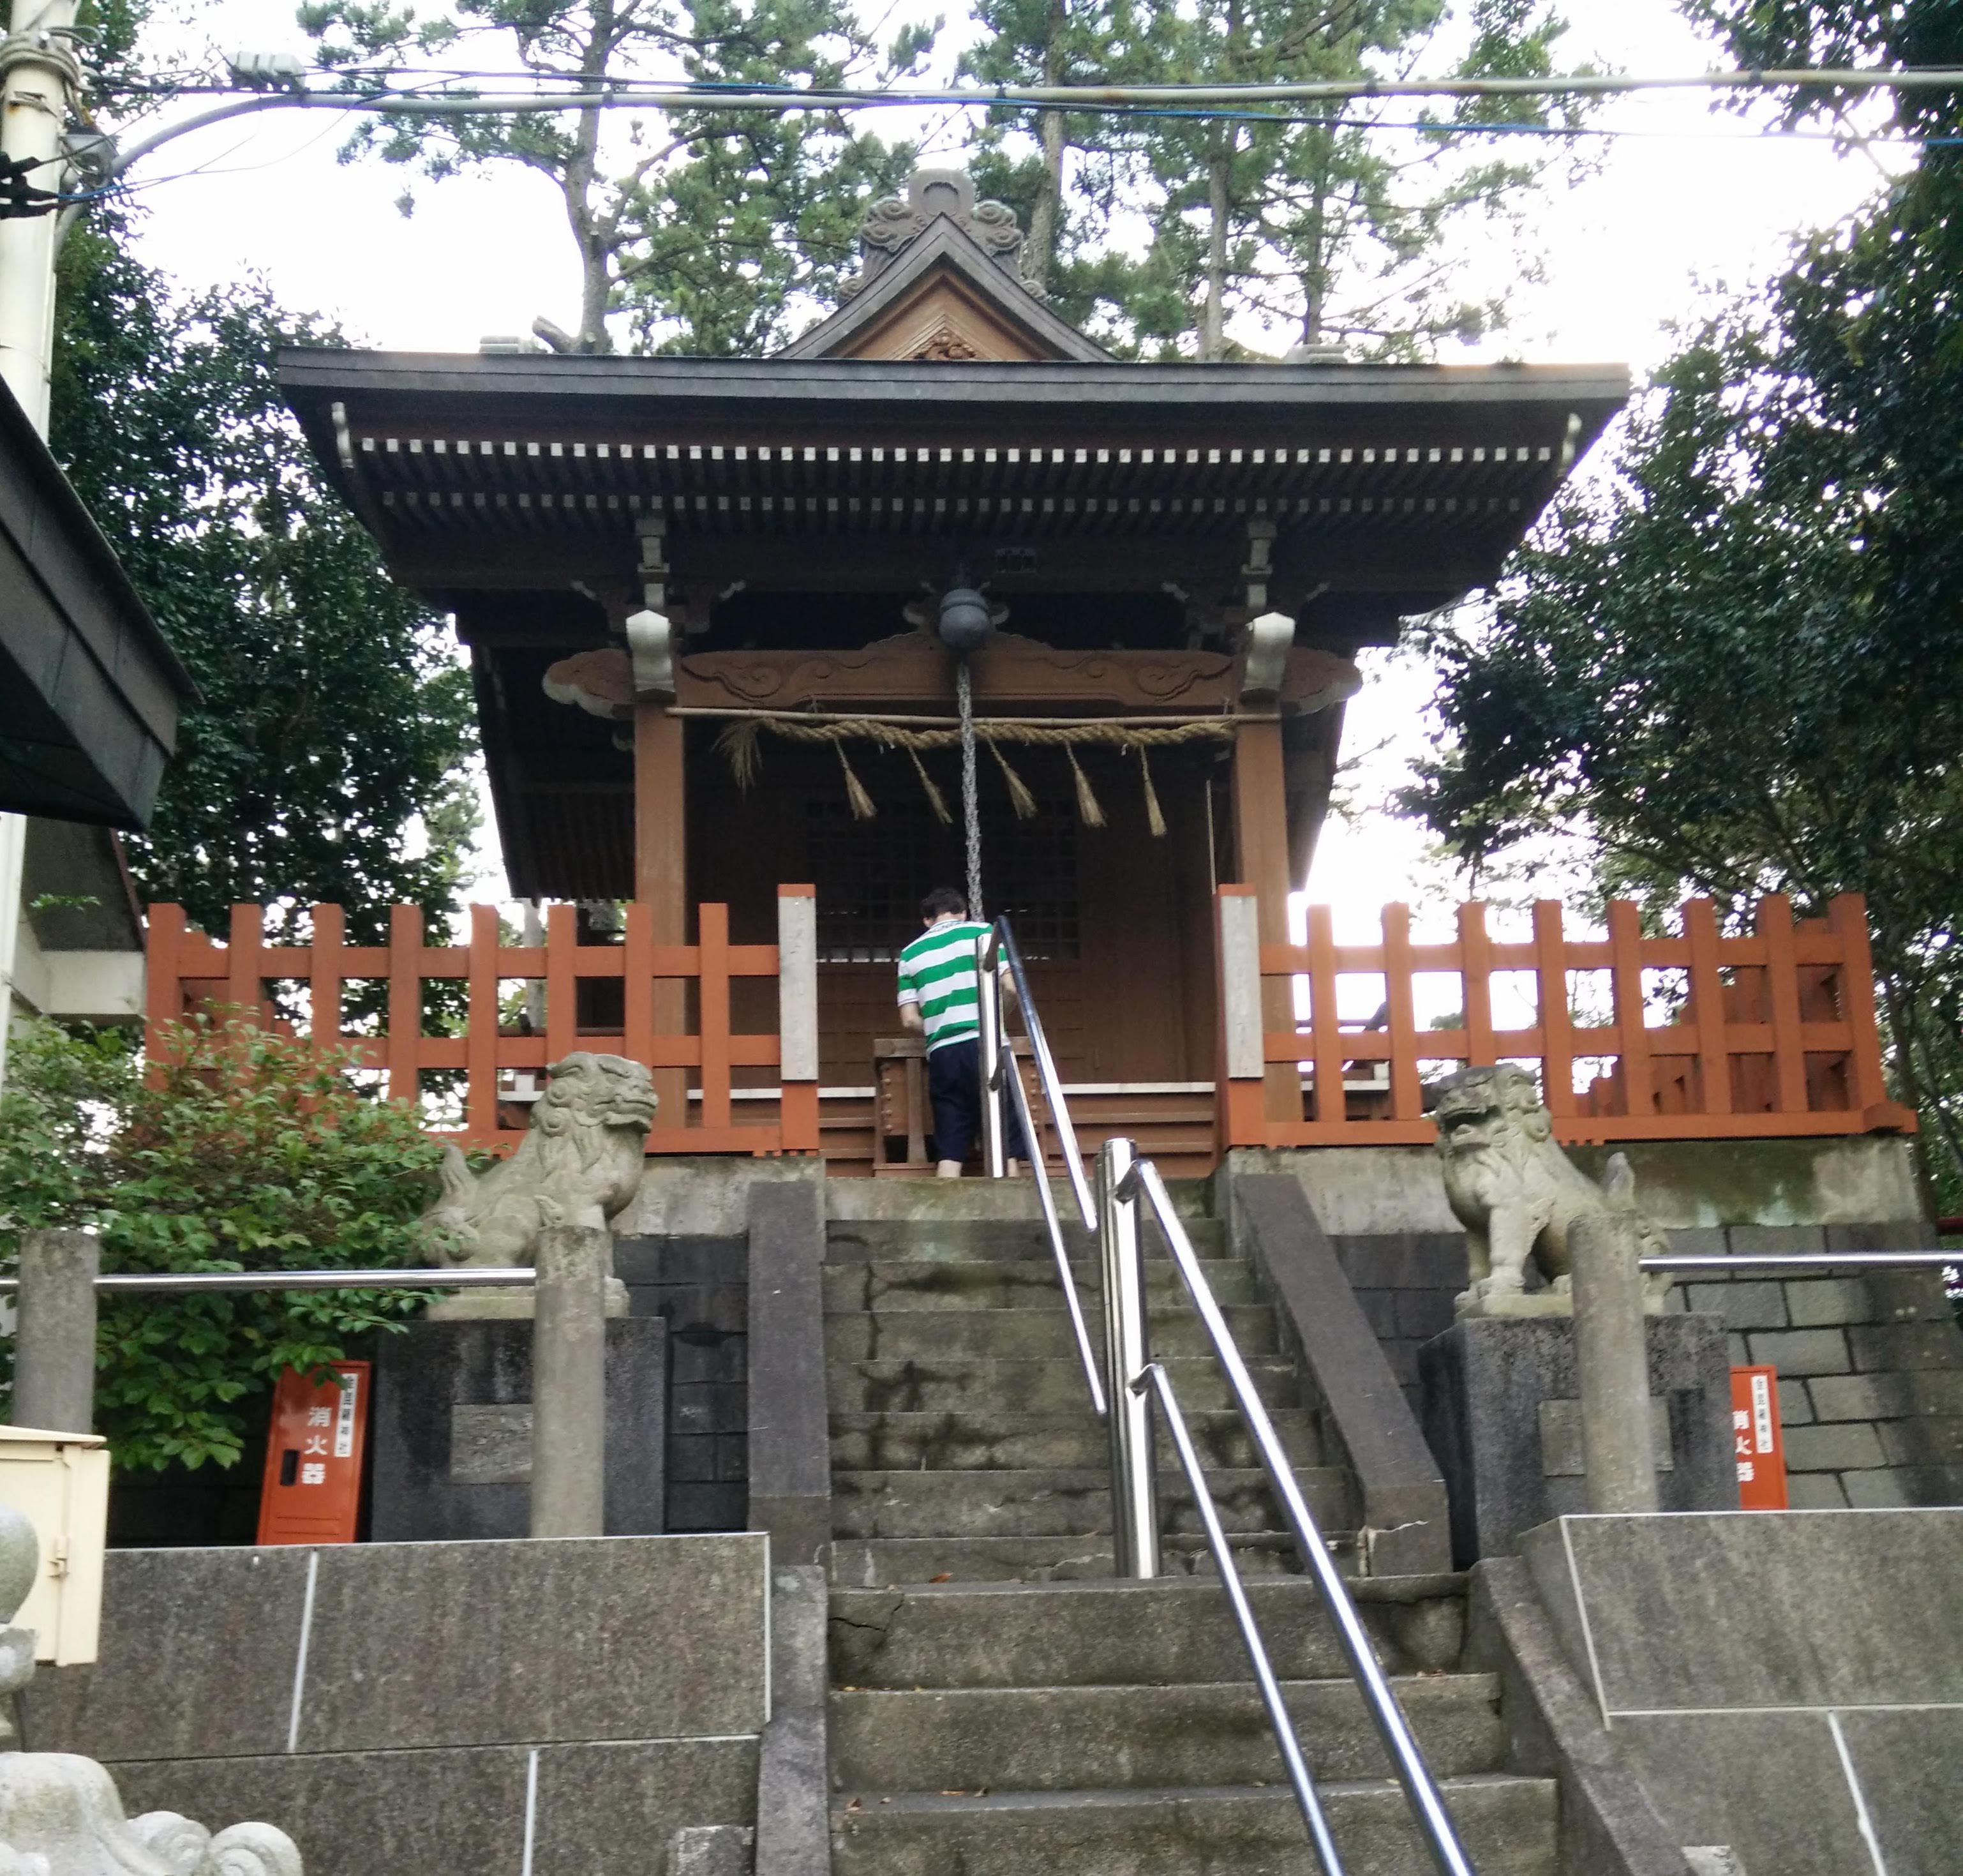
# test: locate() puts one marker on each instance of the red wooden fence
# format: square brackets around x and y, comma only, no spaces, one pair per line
[1774,1032]
[186,969]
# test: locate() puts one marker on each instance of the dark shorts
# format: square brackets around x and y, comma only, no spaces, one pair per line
[954,1091]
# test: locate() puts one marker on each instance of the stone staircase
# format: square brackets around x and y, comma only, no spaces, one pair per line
[999,1704]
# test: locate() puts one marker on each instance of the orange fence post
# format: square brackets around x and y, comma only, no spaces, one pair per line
[713,995]
[1625,954]
[1556,1029]
[1325,1025]
[1475,986]
[637,997]
[243,990]
[1847,915]
[562,986]
[480,1035]
[163,999]
[1773,923]
[1706,998]
[405,1003]
[324,978]
[1407,1094]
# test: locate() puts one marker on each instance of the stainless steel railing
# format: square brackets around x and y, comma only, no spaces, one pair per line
[1141,1184]
[1133,1384]
[453,1277]
[1001,1074]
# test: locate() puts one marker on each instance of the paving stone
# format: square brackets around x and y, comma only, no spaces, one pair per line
[1424,1313]
[1910,1296]
[1896,1234]
[1806,1351]
[1778,1240]
[1859,1397]
[1815,1491]
[1825,1302]
[1905,1345]
[1742,1304]
[1880,1490]
[1833,1449]
[1932,1440]
[1795,1409]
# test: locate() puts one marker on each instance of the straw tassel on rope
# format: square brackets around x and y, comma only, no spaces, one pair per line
[861,803]
[1088,811]
[1154,819]
[935,799]
[1020,797]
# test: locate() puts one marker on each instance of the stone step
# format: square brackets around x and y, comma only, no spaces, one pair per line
[1508,1823]
[975,1383]
[980,1439]
[1008,1335]
[1031,1739]
[1059,1502]
[857,1201]
[888,1563]
[1165,1633]
[988,1240]
[1001,1283]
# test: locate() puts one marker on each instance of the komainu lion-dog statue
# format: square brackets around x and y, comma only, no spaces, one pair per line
[1517,1194]
[580,1163]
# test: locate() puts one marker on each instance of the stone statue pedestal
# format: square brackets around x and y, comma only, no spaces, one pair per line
[453,1450]
[1501,1408]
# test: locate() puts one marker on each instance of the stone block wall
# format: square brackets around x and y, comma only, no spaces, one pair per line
[1871,1367]
[1406,1281]
[700,1282]
[560,1707]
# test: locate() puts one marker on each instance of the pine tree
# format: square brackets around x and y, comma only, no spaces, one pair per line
[704,231]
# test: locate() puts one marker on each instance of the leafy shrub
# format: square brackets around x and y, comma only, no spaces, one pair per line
[240,1149]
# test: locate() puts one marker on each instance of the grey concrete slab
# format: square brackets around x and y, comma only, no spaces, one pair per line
[601,1810]
[1742,1304]
[580,1638]
[1769,1784]
[1832,1449]
[1906,1764]
[1825,1302]
[793,1796]
[413,1646]
[220,1629]
[1699,1610]
[1922,1345]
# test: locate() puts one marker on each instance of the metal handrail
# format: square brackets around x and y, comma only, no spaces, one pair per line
[1279,1719]
[1420,1789]
[999,1070]
[457,1277]
[1804,1260]
[1000,935]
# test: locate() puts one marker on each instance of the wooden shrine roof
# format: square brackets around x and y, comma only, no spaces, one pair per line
[515,471]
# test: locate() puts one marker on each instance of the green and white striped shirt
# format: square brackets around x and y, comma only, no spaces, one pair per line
[937,972]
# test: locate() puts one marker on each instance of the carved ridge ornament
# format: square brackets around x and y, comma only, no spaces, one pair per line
[912,669]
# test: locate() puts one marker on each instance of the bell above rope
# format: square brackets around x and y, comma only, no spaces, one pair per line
[967,620]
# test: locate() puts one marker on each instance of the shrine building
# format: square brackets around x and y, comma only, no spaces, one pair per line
[701,596]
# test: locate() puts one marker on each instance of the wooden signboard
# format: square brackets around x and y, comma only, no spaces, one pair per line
[314,1457]
[1757,1439]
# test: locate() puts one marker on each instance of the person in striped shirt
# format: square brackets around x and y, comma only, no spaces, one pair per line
[939,997]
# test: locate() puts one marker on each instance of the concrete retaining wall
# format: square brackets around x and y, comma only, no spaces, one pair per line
[1871,1369]
[559,1707]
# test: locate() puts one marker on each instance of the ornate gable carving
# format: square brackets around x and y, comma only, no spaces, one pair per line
[894,222]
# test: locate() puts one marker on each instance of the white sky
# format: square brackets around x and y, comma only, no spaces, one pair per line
[1692,204]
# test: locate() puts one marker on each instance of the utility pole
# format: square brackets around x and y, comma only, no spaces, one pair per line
[40,76]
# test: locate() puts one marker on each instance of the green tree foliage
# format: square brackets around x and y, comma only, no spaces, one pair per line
[326,760]
[1737,666]
[707,232]
[244,1150]
[1330,228]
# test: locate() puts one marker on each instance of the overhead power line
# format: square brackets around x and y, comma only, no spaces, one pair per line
[585,95]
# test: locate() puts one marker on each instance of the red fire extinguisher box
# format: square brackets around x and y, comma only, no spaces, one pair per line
[1757,1439]
[315,1455]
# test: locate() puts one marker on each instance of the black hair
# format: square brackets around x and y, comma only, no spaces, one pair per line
[943,900]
